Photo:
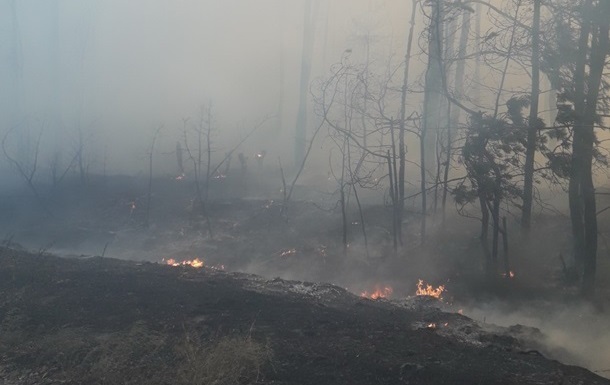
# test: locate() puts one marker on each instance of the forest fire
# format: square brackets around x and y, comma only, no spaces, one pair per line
[385,292]
[426,289]
[196,263]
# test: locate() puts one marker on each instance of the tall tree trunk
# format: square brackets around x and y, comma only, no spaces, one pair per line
[532,130]
[282,69]
[459,91]
[574,188]
[587,90]
[477,63]
[599,52]
[306,58]
[434,84]
[403,117]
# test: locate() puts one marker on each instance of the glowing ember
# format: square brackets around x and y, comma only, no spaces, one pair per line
[429,290]
[385,292]
[431,326]
[511,275]
[286,253]
[196,263]
[180,177]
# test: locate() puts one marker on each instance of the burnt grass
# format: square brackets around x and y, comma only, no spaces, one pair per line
[90,318]
[64,320]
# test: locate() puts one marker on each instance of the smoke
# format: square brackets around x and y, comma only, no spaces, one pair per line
[573,333]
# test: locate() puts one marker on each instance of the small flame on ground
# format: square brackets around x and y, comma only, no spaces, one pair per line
[429,290]
[385,292]
[511,275]
[196,263]
[432,326]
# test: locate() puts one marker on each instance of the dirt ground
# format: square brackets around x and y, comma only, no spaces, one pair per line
[104,321]
[91,318]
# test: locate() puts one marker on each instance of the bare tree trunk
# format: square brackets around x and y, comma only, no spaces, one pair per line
[485,232]
[532,130]
[393,197]
[342,198]
[282,70]
[434,83]
[459,90]
[505,247]
[574,188]
[477,63]
[395,193]
[306,58]
[403,117]
[432,101]
[422,169]
[496,234]
[599,51]
[151,151]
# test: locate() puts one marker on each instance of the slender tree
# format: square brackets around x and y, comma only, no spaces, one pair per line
[306,62]
[533,126]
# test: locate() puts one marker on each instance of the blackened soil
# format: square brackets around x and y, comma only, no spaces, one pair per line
[100,320]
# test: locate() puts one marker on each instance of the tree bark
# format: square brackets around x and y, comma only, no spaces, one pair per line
[306,57]
[532,130]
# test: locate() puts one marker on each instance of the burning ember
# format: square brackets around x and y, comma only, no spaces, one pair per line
[288,252]
[429,290]
[511,275]
[386,292]
[180,177]
[196,263]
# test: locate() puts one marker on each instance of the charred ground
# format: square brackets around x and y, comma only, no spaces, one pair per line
[102,320]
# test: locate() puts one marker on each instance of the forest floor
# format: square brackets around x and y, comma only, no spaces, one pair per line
[91,318]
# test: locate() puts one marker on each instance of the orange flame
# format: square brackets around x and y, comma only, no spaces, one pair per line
[386,292]
[196,263]
[429,290]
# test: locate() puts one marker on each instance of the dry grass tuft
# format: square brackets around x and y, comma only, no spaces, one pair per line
[230,360]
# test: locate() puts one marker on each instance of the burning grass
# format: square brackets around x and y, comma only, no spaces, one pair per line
[196,263]
[378,293]
[426,289]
